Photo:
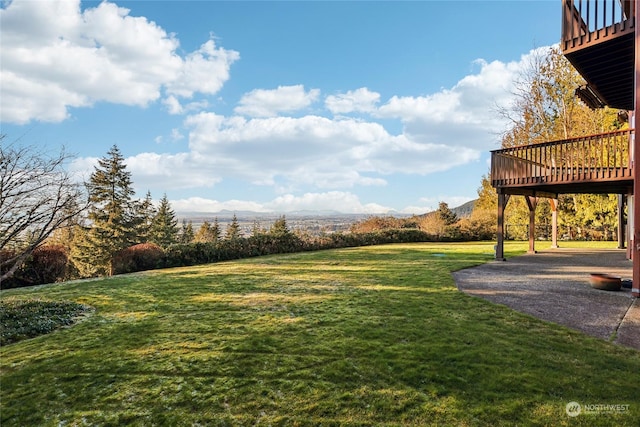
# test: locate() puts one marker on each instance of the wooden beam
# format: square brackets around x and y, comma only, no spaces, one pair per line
[621,227]
[635,253]
[519,191]
[532,202]
[503,199]
[554,223]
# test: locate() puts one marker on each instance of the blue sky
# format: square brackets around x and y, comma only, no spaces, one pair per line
[358,107]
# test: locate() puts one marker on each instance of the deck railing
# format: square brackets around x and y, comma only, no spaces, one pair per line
[601,157]
[585,21]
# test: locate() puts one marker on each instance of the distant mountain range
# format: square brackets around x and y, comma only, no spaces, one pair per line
[464,211]
[461,211]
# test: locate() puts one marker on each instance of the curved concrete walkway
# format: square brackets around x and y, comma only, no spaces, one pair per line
[553,285]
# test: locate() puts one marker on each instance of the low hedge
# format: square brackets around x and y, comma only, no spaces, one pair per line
[267,244]
[47,264]
[144,256]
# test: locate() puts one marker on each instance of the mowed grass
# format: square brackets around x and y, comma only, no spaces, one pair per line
[362,336]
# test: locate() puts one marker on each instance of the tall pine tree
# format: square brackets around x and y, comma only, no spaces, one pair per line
[233,229]
[187,234]
[280,227]
[111,216]
[165,225]
[145,212]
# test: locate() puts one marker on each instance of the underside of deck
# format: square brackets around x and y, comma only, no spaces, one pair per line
[545,186]
[598,39]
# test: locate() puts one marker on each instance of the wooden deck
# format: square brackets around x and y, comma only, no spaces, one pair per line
[598,39]
[597,164]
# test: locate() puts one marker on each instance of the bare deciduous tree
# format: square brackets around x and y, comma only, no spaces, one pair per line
[37,197]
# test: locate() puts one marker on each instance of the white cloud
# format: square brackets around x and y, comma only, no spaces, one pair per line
[339,201]
[161,172]
[203,71]
[359,100]
[176,135]
[199,204]
[176,171]
[443,130]
[324,158]
[173,105]
[465,115]
[314,150]
[270,103]
[55,56]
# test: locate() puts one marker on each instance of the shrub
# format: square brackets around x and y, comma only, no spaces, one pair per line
[144,256]
[191,254]
[376,223]
[6,254]
[434,225]
[266,243]
[481,225]
[26,319]
[47,264]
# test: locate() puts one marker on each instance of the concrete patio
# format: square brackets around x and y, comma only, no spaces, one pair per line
[553,285]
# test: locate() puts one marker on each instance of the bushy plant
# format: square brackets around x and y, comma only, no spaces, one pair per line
[47,264]
[481,225]
[191,254]
[376,223]
[12,282]
[144,256]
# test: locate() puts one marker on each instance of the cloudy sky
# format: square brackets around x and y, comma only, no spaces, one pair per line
[358,107]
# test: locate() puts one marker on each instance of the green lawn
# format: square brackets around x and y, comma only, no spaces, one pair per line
[363,336]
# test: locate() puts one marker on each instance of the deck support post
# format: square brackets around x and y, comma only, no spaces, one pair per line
[532,202]
[554,223]
[503,199]
[635,253]
[621,227]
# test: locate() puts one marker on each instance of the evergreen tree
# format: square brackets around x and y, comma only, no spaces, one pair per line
[186,233]
[446,214]
[81,255]
[279,227]
[233,229]
[111,216]
[165,225]
[216,232]
[145,213]
[203,235]
[256,229]
[208,233]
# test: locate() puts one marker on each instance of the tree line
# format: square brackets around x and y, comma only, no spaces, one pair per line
[100,228]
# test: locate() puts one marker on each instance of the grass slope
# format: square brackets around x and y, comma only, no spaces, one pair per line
[361,336]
